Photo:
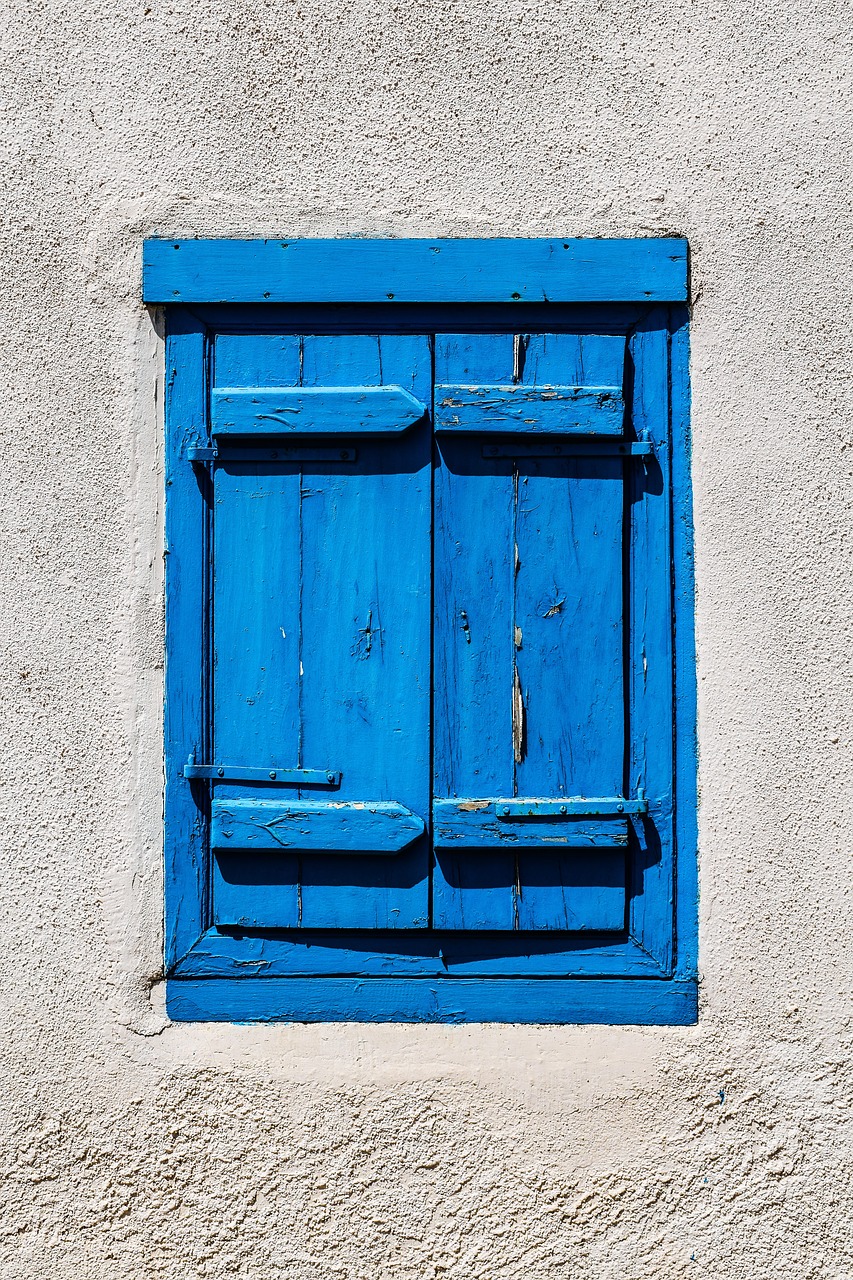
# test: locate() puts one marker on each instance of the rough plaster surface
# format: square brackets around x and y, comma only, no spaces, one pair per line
[138,1150]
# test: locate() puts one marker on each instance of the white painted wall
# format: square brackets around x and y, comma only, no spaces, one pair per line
[138,1150]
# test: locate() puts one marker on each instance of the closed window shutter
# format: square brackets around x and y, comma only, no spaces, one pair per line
[438,634]
[429,718]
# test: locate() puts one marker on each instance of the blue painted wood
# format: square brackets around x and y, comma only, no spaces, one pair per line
[473,648]
[253,358]
[522,408]
[635,1002]
[322,640]
[399,271]
[658,342]
[546,703]
[186,867]
[415,953]
[649,617]
[311,826]
[481,826]
[337,411]
[685,951]
[256,712]
[568,609]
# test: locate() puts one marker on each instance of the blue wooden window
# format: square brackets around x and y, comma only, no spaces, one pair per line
[429,706]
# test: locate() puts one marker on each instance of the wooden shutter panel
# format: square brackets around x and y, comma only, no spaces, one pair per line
[529,635]
[320,631]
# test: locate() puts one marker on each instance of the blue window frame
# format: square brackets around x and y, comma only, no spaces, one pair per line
[430,703]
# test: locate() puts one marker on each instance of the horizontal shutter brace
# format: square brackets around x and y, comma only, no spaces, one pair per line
[519,408]
[320,411]
[352,828]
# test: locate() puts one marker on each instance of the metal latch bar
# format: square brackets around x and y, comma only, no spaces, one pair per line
[287,777]
[572,449]
[263,453]
[597,807]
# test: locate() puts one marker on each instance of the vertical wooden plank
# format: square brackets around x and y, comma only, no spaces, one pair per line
[256,360]
[686,799]
[186,516]
[568,620]
[577,359]
[473,644]
[256,629]
[570,523]
[365,643]
[256,659]
[650,610]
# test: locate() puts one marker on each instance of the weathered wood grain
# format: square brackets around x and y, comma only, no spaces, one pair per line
[649,623]
[337,827]
[325,411]
[547,409]
[476,824]
[631,1001]
[185,713]
[416,953]
[473,646]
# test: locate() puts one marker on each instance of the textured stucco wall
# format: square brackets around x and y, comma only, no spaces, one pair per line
[135,1149]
